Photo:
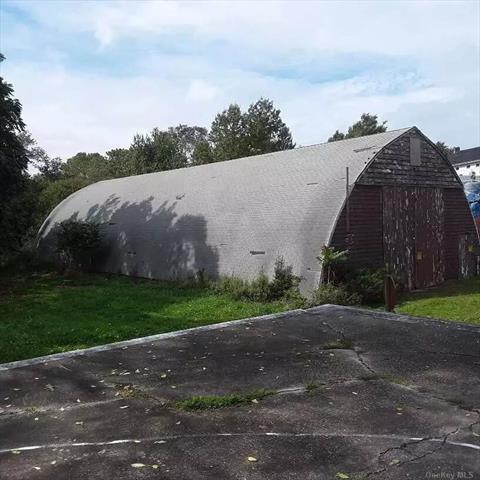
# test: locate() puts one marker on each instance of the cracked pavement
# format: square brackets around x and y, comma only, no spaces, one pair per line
[402,402]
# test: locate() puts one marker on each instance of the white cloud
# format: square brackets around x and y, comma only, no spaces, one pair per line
[425,57]
[396,27]
[201,91]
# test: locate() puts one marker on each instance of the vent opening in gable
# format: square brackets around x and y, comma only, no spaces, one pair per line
[415,150]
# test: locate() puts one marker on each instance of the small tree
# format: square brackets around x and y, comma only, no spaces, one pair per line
[283,281]
[77,243]
[330,257]
[367,125]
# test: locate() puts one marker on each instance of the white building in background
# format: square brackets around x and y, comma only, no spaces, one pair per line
[467,163]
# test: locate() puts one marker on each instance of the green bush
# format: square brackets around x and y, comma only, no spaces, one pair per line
[257,290]
[283,286]
[26,261]
[368,283]
[284,281]
[334,294]
[331,260]
[77,243]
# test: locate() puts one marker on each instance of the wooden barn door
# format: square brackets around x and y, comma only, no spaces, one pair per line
[413,231]
[399,234]
[429,237]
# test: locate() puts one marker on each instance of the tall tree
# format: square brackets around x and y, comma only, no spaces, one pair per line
[13,167]
[266,131]
[202,153]
[189,138]
[90,167]
[260,129]
[13,157]
[228,134]
[367,125]
[448,151]
[49,168]
[120,161]
[157,151]
[338,135]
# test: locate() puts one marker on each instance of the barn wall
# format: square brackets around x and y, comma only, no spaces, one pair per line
[383,204]
[392,166]
[364,240]
[460,235]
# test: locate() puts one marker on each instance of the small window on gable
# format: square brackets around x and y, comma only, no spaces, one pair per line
[415,157]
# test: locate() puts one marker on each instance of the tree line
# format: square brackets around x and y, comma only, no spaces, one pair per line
[26,199]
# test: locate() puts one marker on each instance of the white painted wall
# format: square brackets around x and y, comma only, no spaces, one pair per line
[469,169]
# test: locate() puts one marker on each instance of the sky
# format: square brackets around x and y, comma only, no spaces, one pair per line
[92,74]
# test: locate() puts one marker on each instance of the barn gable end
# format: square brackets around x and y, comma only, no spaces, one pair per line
[407,213]
[395,165]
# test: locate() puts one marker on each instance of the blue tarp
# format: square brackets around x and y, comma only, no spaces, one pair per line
[472,191]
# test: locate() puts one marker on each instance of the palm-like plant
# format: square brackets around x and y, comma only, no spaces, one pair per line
[329,257]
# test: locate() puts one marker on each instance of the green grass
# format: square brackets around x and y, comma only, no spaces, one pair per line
[49,314]
[457,300]
[212,402]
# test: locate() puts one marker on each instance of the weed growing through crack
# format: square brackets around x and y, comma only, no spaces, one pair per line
[340,344]
[370,377]
[130,391]
[213,402]
[311,387]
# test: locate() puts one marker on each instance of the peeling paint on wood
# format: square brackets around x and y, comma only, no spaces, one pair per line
[399,234]
[467,255]
[413,229]
[429,237]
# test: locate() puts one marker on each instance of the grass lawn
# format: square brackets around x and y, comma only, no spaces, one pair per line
[457,300]
[50,314]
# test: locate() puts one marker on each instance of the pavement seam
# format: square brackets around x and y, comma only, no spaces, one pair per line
[163,439]
[341,332]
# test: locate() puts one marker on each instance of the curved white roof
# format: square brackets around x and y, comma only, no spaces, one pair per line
[234,217]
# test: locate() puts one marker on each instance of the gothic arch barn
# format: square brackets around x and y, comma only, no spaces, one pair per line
[405,211]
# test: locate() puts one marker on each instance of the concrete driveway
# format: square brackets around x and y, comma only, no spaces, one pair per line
[351,394]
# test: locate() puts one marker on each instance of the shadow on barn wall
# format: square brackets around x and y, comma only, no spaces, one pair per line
[153,243]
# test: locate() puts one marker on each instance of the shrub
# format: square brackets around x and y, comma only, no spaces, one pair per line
[26,261]
[77,243]
[330,258]
[368,283]
[335,294]
[284,280]
[283,286]
[257,290]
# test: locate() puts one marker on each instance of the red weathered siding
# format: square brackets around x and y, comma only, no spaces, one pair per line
[459,228]
[364,240]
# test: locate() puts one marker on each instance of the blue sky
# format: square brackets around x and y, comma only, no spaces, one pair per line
[92,74]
